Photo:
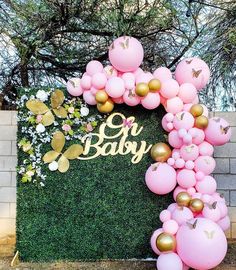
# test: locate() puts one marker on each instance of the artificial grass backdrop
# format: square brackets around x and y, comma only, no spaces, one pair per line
[99,209]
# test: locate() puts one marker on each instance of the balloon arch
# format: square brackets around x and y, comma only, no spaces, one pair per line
[192,231]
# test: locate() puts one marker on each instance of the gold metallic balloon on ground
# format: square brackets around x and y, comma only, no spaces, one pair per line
[183,199]
[142,89]
[166,242]
[196,205]
[196,110]
[201,122]
[101,96]
[160,152]
[106,107]
[154,85]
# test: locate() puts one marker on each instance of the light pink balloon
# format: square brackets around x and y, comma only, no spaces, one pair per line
[130,98]
[177,190]
[86,82]
[118,100]
[99,80]
[170,226]
[137,72]
[110,71]
[93,91]
[94,67]
[115,87]
[151,101]
[218,131]
[179,163]
[165,215]
[189,152]
[207,185]
[187,107]
[166,125]
[186,178]
[197,195]
[185,267]
[191,191]
[183,120]
[206,198]
[89,98]
[126,54]
[194,71]
[174,140]
[74,87]
[205,149]
[160,178]
[198,135]
[172,207]
[129,80]
[203,247]
[162,74]
[144,77]
[182,214]
[224,223]
[169,88]
[205,164]
[171,161]
[211,213]
[199,175]
[187,92]
[170,261]
[153,240]
[189,164]
[174,105]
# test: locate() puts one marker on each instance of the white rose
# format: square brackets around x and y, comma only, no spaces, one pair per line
[40,128]
[53,166]
[42,95]
[84,111]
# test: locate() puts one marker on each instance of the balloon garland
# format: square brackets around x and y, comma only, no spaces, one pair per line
[192,231]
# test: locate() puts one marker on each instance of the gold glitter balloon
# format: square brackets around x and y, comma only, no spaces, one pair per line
[196,205]
[160,152]
[101,96]
[142,89]
[201,122]
[166,242]
[154,85]
[196,110]
[183,199]
[106,107]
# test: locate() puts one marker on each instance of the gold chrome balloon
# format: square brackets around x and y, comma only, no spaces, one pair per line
[160,152]
[166,242]
[142,89]
[196,110]
[106,107]
[154,85]
[101,96]
[183,199]
[201,122]
[196,205]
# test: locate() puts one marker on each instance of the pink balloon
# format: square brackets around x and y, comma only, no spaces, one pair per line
[182,214]
[187,92]
[144,77]
[206,198]
[118,100]
[110,71]
[187,107]
[115,87]
[179,163]
[223,209]
[212,213]
[205,164]
[207,185]
[130,98]
[218,131]
[89,98]
[197,195]
[160,178]
[86,82]
[172,207]
[206,149]
[151,101]
[153,240]
[194,71]
[166,122]
[183,120]
[185,267]
[129,80]
[197,134]
[170,88]
[170,261]
[99,80]
[162,74]
[170,226]
[189,164]
[74,87]
[126,54]
[171,161]
[191,191]
[205,110]
[202,247]
[165,215]
[94,67]
[174,105]
[224,223]
[189,152]
[177,190]
[174,140]
[93,91]
[186,178]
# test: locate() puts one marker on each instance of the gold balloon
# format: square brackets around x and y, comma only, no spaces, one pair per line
[101,96]
[106,107]
[201,122]
[196,110]
[154,85]
[196,205]
[166,242]
[183,199]
[142,89]
[160,152]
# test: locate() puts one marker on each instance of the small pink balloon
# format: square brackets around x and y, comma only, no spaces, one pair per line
[187,139]
[206,198]
[99,80]
[179,163]
[115,87]
[174,140]
[130,98]
[205,164]
[170,88]
[191,191]
[189,164]
[160,178]
[110,71]
[205,149]
[172,207]
[170,226]
[207,185]
[151,101]
[182,214]
[186,178]
[198,135]
[170,126]
[86,82]
[94,67]
[74,87]
[187,92]
[183,120]
[224,223]
[137,72]
[171,161]
[197,195]
[187,107]
[177,190]
[185,267]
[189,152]
[169,261]
[174,105]
[165,123]
[89,98]
[144,77]
[126,54]
[93,91]
[165,215]
[153,240]
[199,175]
[162,74]
[194,71]
[118,100]
[212,213]
[129,84]
[169,117]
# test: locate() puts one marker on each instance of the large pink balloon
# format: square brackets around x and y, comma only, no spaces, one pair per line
[94,67]
[169,261]
[224,223]
[115,87]
[207,185]
[126,54]
[162,74]
[202,247]
[153,240]
[170,88]
[197,134]
[182,214]
[187,92]
[186,178]
[151,101]
[170,226]
[205,164]
[194,71]
[212,213]
[74,87]
[165,215]
[160,178]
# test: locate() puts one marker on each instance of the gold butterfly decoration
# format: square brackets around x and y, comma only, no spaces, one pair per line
[196,73]
[224,130]
[189,61]
[37,107]
[125,44]
[189,148]
[58,143]
[209,235]
[180,116]
[212,206]
[131,94]
[192,226]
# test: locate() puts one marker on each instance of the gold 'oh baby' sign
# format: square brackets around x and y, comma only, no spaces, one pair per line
[105,145]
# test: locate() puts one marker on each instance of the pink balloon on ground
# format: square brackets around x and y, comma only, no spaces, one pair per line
[187,92]
[198,135]
[182,214]
[153,240]
[174,140]
[129,80]
[170,226]
[151,101]
[99,80]
[86,82]
[126,54]
[224,223]
[183,120]
[89,98]
[162,74]
[115,87]
[165,215]
[169,88]
[212,213]
[218,197]
[174,105]
[137,72]
[186,178]
[207,185]
[144,77]
[189,152]
[130,98]
[170,261]
[94,67]
[202,247]
[199,175]
[194,71]
[205,164]
[118,100]
[177,190]
[206,149]
[160,178]
[171,161]
[74,87]
[110,71]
